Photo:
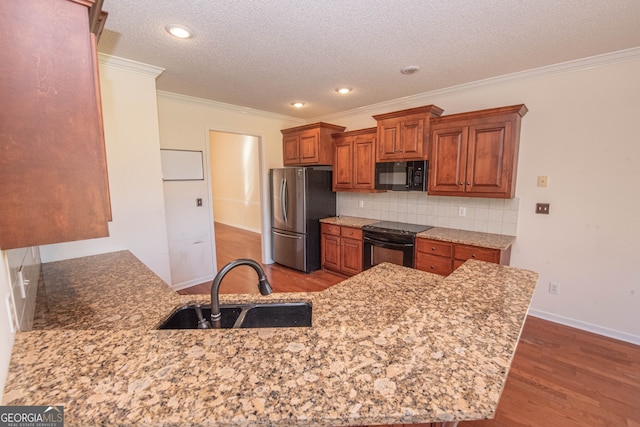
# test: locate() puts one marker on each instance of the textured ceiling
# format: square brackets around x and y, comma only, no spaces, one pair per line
[266,54]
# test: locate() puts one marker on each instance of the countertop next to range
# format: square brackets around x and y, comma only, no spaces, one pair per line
[389,345]
[474,238]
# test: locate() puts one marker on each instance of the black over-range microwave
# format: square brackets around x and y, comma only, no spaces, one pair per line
[402,176]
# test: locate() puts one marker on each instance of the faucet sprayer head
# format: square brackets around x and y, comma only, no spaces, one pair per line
[264,286]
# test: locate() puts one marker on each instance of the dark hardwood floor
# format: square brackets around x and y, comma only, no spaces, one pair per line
[233,243]
[563,376]
[560,376]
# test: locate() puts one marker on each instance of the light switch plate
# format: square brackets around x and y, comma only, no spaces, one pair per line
[543,181]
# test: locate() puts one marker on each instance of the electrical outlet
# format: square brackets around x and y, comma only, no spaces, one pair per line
[462,211]
[554,288]
[542,208]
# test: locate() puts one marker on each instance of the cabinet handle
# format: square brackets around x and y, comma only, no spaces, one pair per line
[433,267]
[433,249]
[473,255]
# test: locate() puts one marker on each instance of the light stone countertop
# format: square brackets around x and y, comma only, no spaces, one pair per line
[388,346]
[474,238]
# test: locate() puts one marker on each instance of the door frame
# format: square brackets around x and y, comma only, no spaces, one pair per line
[265,198]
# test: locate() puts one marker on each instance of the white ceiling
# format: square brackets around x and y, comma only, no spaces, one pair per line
[266,54]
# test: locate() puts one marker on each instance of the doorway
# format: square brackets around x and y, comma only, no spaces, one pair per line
[239,191]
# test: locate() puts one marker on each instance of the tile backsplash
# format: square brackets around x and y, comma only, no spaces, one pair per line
[499,216]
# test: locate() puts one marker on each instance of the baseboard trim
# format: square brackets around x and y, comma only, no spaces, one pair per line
[190,283]
[586,326]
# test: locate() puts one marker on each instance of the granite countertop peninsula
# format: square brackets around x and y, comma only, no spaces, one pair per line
[474,238]
[391,345]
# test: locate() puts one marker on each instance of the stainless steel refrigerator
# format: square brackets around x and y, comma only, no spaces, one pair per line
[299,198]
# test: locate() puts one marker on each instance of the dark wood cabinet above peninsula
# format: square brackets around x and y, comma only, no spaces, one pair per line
[53,175]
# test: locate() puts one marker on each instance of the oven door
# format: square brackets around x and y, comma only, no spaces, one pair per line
[378,249]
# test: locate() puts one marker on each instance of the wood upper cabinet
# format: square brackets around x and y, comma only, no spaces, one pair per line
[475,154]
[309,144]
[354,160]
[341,249]
[404,135]
[53,172]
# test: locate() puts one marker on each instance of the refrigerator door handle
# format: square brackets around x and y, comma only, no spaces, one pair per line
[287,235]
[283,199]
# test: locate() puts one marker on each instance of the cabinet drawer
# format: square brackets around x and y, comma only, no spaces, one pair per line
[351,233]
[330,229]
[434,247]
[433,264]
[464,252]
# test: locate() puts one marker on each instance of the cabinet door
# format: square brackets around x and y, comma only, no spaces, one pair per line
[364,162]
[490,159]
[411,138]
[434,247]
[465,252]
[290,149]
[52,169]
[331,252]
[351,253]
[433,264]
[389,134]
[343,164]
[447,167]
[309,146]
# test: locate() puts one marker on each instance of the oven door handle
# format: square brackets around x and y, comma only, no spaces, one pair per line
[386,244]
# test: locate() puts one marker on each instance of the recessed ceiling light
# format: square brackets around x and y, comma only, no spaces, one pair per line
[344,90]
[298,104]
[410,69]
[178,31]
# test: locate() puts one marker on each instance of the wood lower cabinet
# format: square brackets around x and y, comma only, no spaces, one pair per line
[354,160]
[442,258]
[309,145]
[341,249]
[404,135]
[461,253]
[434,256]
[53,171]
[475,154]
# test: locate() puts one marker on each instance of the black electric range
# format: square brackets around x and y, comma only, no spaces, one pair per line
[390,241]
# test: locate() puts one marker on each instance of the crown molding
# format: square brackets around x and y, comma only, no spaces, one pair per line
[129,65]
[563,67]
[233,107]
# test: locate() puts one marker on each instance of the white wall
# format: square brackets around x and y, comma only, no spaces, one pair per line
[135,179]
[185,123]
[235,180]
[581,132]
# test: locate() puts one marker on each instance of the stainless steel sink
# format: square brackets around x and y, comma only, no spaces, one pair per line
[273,315]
